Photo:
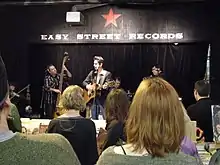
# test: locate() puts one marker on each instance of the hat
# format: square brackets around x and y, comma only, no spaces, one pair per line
[3,82]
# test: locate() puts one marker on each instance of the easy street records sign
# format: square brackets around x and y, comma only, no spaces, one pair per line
[131,36]
[110,29]
[108,37]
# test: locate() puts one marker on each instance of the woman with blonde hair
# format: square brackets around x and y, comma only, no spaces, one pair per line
[155,129]
[80,131]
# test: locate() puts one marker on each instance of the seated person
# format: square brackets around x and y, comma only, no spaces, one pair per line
[154,129]
[80,131]
[14,121]
[116,107]
[201,111]
[20,149]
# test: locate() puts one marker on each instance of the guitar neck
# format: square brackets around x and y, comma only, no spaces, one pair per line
[61,82]
[109,84]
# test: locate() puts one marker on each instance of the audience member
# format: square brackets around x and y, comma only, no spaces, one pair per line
[20,149]
[14,120]
[155,129]
[117,105]
[80,132]
[201,111]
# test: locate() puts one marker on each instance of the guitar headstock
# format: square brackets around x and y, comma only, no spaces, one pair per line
[111,83]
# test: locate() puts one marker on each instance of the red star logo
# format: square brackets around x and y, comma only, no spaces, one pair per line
[111,18]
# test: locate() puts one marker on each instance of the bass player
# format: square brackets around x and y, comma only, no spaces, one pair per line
[51,90]
[97,81]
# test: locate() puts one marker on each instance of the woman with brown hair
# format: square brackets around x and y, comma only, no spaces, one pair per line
[116,107]
[155,128]
[80,131]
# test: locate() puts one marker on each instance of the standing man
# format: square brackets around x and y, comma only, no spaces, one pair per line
[97,80]
[51,90]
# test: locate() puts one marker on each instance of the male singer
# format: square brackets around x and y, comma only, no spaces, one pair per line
[51,85]
[98,77]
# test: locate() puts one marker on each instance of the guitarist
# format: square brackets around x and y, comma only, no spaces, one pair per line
[51,85]
[95,79]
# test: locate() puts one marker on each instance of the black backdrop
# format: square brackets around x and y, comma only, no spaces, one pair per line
[183,64]
[20,23]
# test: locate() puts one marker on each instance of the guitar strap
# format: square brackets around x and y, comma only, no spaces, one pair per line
[94,76]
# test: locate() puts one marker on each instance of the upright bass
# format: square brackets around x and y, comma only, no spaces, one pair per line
[58,111]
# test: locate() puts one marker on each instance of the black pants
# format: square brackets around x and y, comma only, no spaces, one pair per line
[49,110]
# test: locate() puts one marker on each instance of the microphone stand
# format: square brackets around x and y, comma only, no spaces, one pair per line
[42,97]
[42,102]
[21,90]
[95,101]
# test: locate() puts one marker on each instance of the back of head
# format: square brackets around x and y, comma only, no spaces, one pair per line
[203,88]
[156,118]
[72,98]
[117,105]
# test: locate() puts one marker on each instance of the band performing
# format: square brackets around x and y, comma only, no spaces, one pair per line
[97,85]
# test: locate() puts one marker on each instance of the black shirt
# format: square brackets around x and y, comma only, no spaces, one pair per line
[161,75]
[81,134]
[115,134]
[202,114]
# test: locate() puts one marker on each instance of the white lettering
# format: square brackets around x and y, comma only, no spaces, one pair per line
[179,36]
[79,36]
[65,36]
[95,36]
[43,37]
[98,36]
[58,37]
[163,36]
[140,36]
[155,36]
[171,36]
[111,36]
[50,37]
[102,36]
[55,37]
[148,36]
[87,36]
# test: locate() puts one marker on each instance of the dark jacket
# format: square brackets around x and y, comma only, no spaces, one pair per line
[201,113]
[106,76]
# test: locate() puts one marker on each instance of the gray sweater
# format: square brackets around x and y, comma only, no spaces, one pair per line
[109,157]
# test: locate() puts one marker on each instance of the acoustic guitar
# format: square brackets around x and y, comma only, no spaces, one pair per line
[59,109]
[91,94]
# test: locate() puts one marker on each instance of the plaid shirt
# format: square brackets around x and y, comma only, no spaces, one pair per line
[50,97]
